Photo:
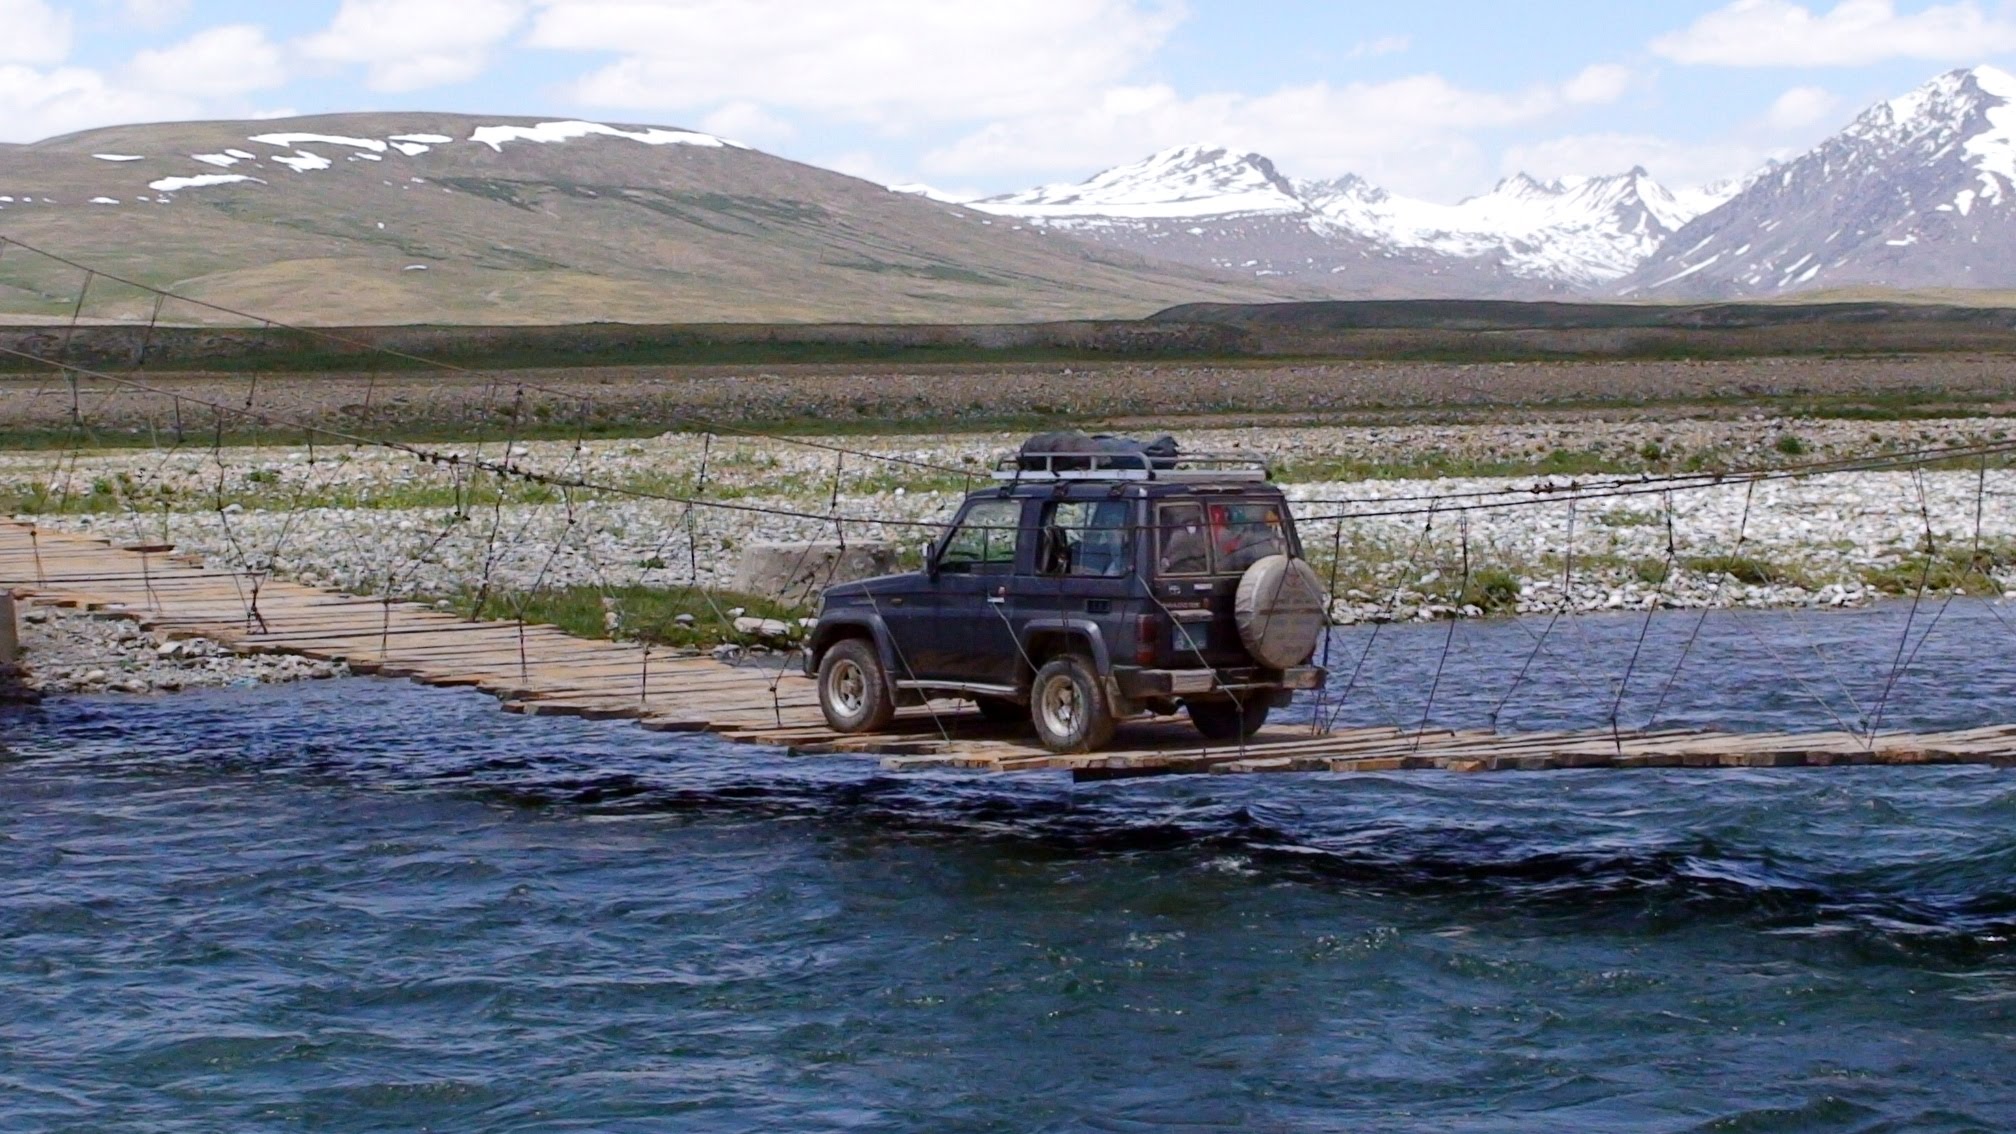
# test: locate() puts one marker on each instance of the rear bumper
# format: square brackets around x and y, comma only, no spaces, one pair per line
[1141,684]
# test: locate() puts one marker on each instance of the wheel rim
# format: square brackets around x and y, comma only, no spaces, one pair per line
[847,688]
[1060,707]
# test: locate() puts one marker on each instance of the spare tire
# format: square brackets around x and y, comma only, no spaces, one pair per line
[1281,611]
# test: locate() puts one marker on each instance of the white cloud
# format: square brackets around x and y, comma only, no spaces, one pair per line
[37,104]
[748,122]
[231,60]
[1384,45]
[1777,33]
[862,164]
[1604,82]
[154,14]
[889,63]
[34,32]
[1414,134]
[1801,106]
[407,45]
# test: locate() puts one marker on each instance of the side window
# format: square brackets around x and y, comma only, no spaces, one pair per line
[984,542]
[1182,546]
[1088,537]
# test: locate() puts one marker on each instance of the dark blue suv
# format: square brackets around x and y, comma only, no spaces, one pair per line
[1082,590]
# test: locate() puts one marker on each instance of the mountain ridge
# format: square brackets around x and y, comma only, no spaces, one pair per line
[437,217]
[1918,192]
[419,217]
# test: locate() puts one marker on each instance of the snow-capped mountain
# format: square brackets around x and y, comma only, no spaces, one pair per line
[1919,191]
[1580,231]
[1219,207]
[1187,181]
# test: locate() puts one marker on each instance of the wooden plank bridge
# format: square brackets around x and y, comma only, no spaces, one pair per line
[537,669]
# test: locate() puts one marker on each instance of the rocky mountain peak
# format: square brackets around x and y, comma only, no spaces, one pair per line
[1913,193]
[1954,101]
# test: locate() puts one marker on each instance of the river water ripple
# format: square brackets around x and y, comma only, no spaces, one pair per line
[368,906]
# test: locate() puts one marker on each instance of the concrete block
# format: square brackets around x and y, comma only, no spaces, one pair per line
[798,573]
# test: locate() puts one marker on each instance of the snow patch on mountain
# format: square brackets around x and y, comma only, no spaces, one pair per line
[294,141]
[552,132]
[200,181]
[301,161]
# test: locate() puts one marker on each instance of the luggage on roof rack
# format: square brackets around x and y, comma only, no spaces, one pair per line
[1071,455]
[1072,451]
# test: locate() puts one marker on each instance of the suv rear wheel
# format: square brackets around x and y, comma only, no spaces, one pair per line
[853,690]
[1229,720]
[1069,707]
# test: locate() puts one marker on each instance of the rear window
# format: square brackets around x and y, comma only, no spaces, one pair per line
[1244,534]
[1218,537]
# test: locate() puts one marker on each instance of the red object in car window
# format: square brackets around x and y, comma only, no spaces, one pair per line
[1221,528]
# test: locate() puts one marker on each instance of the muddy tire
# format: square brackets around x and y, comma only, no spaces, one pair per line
[1068,705]
[1229,720]
[853,689]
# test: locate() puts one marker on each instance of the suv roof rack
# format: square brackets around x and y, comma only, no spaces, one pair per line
[1063,466]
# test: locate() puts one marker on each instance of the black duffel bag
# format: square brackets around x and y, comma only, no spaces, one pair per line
[1072,451]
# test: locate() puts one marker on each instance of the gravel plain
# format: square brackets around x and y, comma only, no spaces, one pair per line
[640,399]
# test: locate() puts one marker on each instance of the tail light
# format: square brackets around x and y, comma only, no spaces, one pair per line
[1147,639]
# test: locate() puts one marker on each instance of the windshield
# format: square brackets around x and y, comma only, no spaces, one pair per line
[1218,538]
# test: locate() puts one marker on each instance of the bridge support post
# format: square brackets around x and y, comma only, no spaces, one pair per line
[10,632]
[13,680]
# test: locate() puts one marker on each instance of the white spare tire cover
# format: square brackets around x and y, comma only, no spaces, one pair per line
[1280,609]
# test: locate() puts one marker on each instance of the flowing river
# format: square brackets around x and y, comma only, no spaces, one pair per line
[368,906]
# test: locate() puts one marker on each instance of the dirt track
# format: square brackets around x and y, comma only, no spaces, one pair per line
[654,399]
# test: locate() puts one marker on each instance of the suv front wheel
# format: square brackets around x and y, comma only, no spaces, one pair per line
[1069,707]
[853,690]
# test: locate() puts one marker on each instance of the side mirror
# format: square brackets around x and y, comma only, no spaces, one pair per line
[931,560]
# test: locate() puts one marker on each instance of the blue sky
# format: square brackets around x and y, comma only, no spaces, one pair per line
[1435,98]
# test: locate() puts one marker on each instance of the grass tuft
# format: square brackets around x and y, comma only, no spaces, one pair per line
[631,613]
[1492,589]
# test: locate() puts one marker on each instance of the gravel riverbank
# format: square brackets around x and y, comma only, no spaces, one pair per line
[72,652]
